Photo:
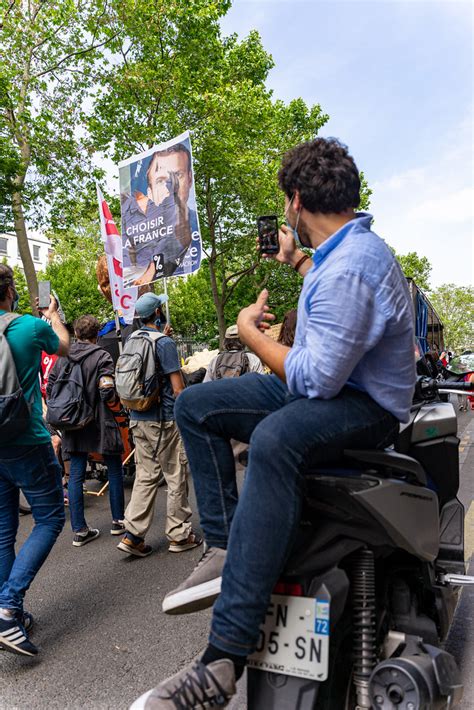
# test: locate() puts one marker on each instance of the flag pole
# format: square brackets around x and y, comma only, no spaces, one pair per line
[167,305]
[118,331]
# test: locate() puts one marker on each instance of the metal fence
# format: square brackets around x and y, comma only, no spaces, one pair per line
[188,346]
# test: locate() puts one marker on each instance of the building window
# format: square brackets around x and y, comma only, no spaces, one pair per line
[36,252]
[3,245]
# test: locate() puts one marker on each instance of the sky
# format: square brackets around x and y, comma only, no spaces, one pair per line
[396,78]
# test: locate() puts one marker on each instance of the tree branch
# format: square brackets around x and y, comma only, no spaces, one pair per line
[247,272]
[10,7]
[242,272]
[127,66]
[85,50]
[38,9]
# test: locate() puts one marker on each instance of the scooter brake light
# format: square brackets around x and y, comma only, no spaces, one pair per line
[288,589]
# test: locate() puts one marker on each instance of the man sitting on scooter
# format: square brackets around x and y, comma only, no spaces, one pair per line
[347,382]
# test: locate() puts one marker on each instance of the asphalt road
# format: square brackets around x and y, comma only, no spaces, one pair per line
[99,625]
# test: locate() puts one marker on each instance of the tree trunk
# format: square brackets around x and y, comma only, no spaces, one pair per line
[24,249]
[218,302]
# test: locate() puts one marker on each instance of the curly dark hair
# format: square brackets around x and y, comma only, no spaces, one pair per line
[324,173]
[86,327]
[6,280]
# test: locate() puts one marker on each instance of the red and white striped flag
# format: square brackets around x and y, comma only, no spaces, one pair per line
[123,299]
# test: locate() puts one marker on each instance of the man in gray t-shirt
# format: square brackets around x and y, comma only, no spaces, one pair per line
[159,449]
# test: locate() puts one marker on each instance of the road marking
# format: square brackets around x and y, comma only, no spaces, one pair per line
[469,533]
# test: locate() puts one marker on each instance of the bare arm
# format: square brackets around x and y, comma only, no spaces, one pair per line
[177,382]
[273,354]
[62,334]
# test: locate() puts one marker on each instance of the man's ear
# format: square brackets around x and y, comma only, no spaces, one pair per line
[149,193]
[297,204]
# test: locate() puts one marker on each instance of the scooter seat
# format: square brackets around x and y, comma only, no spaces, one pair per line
[386,462]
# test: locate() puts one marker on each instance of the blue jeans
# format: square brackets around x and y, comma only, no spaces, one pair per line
[258,529]
[36,471]
[77,477]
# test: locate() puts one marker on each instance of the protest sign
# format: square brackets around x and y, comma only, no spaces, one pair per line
[160,227]
[123,300]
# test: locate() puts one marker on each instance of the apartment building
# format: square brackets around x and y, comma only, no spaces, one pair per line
[40,249]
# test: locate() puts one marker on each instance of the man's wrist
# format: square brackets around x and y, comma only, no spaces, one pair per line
[296,257]
[300,263]
[244,330]
[55,319]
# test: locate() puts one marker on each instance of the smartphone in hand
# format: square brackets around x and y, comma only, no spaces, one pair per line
[268,234]
[44,294]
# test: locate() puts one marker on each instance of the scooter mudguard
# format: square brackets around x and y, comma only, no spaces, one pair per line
[283,692]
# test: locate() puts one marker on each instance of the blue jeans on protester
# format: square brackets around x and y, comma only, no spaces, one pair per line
[258,529]
[36,471]
[77,477]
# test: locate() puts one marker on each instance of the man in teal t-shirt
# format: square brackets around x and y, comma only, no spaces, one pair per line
[27,462]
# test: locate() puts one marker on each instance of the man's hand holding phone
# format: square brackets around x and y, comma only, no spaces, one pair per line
[289,252]
[52,309]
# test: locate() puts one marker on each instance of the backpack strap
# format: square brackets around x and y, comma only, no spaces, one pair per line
[153,335]
[6,319]
[156,336]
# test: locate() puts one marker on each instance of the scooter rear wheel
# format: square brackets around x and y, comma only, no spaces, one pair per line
[337,692]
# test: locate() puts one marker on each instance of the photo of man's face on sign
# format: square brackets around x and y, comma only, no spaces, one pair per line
[160,228]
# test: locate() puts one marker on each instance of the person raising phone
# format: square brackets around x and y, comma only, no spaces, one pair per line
[27,462]
[347,382]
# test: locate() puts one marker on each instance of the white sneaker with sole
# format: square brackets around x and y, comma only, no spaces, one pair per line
[201,588]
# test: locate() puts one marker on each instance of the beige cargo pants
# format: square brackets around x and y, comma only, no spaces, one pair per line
[152,458]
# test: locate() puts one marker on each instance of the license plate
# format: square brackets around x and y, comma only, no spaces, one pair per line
[294,639]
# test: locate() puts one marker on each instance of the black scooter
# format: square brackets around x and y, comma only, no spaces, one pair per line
[369,594]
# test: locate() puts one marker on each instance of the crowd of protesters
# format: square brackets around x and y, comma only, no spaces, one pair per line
[45,454]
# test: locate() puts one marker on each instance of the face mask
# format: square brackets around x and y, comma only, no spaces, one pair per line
[16,299]
[295,228]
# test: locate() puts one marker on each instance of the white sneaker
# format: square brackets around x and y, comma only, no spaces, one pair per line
[201,588]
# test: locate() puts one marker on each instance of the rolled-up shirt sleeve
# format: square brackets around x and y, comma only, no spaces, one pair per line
[344,322]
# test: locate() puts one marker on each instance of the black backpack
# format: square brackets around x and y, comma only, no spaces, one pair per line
[231,363]
[14,409]
[68,408]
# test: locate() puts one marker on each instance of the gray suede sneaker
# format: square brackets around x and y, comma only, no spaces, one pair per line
[197,686]
[201,588]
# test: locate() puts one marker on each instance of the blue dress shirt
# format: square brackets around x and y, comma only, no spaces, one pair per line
[355,323]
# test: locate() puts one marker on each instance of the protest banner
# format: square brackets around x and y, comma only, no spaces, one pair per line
[160,227]
[123,300]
